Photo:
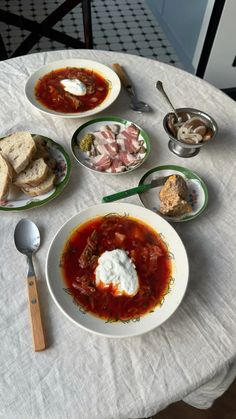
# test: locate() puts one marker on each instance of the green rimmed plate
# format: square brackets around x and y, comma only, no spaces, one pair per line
[18,201]
[96,124]
[197,197]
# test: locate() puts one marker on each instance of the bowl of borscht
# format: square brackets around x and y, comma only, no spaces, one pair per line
[72,88]
[117,270]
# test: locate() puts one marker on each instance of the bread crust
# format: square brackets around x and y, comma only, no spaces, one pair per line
[44,187]
[33,162]
[33,175]
[173,197]
[5,178]
[18,149]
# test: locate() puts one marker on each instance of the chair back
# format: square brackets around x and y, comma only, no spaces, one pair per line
[45,28]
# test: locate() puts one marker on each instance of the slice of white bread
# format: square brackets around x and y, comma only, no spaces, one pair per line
[18,149]
[42,151]
[41,147]
[44,187]
[33,175]
[5,178]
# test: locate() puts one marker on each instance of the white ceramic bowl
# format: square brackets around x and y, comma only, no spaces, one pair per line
[88,321]
[111,77]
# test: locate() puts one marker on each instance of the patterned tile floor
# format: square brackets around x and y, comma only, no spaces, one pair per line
[118,25]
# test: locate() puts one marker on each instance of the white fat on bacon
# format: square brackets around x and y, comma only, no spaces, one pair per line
[101,162]
[104,147]
[101,138]
[113,128]
[127,159]
[116,166]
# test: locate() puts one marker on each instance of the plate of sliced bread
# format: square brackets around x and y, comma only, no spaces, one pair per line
[33,170]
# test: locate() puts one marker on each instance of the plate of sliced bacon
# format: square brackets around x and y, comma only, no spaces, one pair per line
[110,145]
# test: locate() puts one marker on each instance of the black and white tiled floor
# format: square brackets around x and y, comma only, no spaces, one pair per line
[118,25]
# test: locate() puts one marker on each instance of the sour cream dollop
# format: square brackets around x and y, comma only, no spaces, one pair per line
[117,269]
[74,86]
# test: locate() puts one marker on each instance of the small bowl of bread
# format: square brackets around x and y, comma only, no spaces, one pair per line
[190,132]
[33,169]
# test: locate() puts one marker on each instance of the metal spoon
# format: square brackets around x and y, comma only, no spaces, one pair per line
[135,104]
[159,87]
[27,241]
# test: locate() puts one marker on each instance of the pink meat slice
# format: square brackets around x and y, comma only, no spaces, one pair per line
[110,129]
[132,145]
[117,166]
[104,147]
[109,132]
[128,139]
[127,158]
[112,149]
[101,162]
[108,135]
[131,132]
[99,137]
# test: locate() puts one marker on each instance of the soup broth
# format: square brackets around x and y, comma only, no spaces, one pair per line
[50,91]
[144,247]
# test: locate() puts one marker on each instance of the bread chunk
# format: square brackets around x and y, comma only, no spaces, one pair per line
[18,149]
[44,187]
[43,151]
[5,178]
[33,175]
[41,148]
[173,197]
[174,185]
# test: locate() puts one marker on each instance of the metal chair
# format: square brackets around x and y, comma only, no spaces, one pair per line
[45,28]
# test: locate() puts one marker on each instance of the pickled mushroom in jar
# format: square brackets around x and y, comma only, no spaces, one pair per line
[190,129]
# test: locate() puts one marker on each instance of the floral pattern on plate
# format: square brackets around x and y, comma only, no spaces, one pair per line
[197,197]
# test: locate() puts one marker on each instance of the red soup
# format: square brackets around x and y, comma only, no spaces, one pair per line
[51,92]
[143,246]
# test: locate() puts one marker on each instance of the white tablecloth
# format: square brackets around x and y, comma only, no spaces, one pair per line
[192,356]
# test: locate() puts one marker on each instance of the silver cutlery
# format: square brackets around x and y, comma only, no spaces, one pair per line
[27,242]
[160,87]
[135,104]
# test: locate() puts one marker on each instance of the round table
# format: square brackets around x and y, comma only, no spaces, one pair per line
[191,356]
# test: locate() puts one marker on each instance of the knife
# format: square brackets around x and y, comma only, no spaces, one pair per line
[139,189]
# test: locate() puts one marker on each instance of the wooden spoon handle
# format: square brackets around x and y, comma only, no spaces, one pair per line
[123,76]
[35,315]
